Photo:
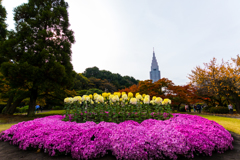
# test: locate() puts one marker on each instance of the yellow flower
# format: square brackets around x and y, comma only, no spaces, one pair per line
[138,97]
[130,95]
[95,96]
[115,98]
[136,94]
[77,98]
[152,102]
[133,101]
[111,96]
[92,102]
[147,96]
[154,97]
[68,100]
[146,100]
[120,99]
[90,96]
[158,100]
[100,99]
[117,93]
[124,97]
[123,93]
[166,101]
[86,98]
[105,94]
[143,95]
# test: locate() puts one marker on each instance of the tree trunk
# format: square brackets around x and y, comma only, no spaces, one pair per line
[237,102]
[178,107]
[32,103]
[8,104]
[14,105]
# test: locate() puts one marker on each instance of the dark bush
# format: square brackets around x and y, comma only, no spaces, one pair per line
[219,110]
[3,109]
[94,90]
[182,109]
[207,108]
[81,92]
[58,108]
[18,110]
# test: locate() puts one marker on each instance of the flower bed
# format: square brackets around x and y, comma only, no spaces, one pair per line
[180,135]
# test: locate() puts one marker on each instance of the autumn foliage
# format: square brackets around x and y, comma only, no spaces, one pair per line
[218,83]
[165,88]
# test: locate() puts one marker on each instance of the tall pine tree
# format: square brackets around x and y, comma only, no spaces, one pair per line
[40,49]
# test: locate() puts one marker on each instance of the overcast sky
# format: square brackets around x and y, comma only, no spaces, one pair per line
[119,35]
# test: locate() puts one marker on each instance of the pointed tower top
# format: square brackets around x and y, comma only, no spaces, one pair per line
[154,62]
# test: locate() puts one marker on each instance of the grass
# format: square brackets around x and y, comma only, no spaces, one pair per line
[52,112]
[5,126]
[231,124]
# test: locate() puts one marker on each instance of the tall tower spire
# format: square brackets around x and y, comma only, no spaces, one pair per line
[154,73]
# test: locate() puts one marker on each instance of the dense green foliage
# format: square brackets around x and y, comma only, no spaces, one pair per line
[219,110]
[58,108]
[93,90]
[3,26]
[22,109]
[115,112]
[40,49]
[116,79]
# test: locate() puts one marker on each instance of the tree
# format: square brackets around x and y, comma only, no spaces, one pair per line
[219,83]
[3,25]
[182,95]
[116,79]
[40,49]
[80,82]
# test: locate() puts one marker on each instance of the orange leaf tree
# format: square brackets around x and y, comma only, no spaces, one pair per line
[219,82]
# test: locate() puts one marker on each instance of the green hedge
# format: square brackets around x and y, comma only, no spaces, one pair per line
[219,110]
[207,108]
[22,109]
[58,108]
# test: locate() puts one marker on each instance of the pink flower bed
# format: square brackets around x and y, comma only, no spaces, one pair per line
[180,135]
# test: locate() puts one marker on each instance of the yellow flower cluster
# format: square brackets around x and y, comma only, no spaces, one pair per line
[118,97]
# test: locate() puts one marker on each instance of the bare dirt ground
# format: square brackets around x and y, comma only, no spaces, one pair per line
[10,152]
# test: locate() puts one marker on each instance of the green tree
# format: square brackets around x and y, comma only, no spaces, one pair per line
[3,25]
[80,82]
[40,49]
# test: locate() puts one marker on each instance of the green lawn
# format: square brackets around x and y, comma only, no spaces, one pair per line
[52,112]
[5,126]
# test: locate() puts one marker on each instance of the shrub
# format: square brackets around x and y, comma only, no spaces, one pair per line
[219,110]
[58,108]
[24,109]
[94,90]
[81,92]
[3,109]
[182,109]
[207,108]
[18,110]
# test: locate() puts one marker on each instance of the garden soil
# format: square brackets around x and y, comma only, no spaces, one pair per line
[10,152]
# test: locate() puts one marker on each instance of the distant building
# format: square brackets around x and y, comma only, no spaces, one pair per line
[154,73]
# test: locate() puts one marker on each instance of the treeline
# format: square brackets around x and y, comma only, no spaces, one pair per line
[104,80]
[165,88]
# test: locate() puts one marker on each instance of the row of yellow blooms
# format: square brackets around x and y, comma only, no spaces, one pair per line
[118,97]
